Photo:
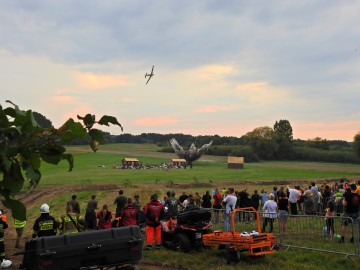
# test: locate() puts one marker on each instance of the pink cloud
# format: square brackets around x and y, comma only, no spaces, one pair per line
[156,121]
[214,108]
[330,130]
[94,81]
[254,86]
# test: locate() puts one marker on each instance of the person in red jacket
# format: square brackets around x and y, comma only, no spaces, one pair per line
[129,214]
[154,212]
[104,216]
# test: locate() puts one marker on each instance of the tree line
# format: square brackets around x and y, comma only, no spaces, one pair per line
[262,143]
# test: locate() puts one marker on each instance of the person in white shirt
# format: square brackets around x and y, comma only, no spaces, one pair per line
[270,211]
[230,202]
[293,196]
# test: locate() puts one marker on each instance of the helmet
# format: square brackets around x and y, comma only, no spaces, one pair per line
[44,208]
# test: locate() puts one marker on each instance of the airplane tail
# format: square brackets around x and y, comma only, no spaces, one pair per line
[146,74]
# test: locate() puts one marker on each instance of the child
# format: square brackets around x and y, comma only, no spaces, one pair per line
[329,218]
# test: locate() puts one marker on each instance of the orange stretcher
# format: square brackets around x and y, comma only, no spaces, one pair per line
[233,242]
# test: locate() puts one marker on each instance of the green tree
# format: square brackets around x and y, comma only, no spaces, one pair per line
[42,120]
[356,144]
[263,142]
[318,143]
[24,144]
[284,138]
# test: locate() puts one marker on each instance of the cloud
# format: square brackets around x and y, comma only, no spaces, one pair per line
[262,95]
[215,108]
[95,81]
[157,121]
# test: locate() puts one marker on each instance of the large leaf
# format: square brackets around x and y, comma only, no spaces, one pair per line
[18,209]
[97,135]
[5,161]
[13,181]
[94,144]
[52,153]
[71,130]
[33,175]
[70,159]
[89,120]
[17,109]
[10,112]
[106,119]
[4,122]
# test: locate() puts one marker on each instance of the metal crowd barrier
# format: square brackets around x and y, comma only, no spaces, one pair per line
[302,231]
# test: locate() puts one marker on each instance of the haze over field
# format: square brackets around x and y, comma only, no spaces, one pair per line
[220,67]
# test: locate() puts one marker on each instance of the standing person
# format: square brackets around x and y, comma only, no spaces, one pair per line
[206,200]
[129,215]
[329,218]
[120,202]
[284,210]
[104,216]
[314,189]
[172,204]
[270,209]
[351,202]
[90,215]
[3,226]
[263,197]
[74,204]
[275,192]
[230,202]
[154,212]
[70,222]
[45,225]
[217,205]
[300,200]
[197,199]
[308,201]
[137,203]
[255,198]
[19,227]
[293,198]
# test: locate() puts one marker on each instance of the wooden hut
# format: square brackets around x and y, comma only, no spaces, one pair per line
[178,162]
[235,162]
[130,162]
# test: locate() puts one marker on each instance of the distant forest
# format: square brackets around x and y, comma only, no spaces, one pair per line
[263,143]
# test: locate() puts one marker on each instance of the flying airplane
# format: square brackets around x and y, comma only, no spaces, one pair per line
[150,75]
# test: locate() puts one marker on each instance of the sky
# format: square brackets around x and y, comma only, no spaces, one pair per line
[221,67]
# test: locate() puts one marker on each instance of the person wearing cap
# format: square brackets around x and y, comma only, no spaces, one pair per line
[45,225]
[19,227]
[74,204]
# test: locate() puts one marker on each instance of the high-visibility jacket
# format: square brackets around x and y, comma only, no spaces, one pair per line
[19,223]
[67,226]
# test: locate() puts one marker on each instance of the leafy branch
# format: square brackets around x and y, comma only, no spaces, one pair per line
[24,144]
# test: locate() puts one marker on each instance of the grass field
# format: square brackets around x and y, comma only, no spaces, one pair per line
[97,168]
[93,174]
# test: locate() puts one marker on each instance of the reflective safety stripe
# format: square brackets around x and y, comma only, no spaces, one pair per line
[70,232]
[19,224]
[47,225]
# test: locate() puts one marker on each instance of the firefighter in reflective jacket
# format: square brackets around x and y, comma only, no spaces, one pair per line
[45,225]
[71,222]
[154,212]
[129,215]
[19,227]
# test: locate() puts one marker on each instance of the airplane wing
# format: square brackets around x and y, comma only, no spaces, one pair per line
[149,79]
[152,70]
